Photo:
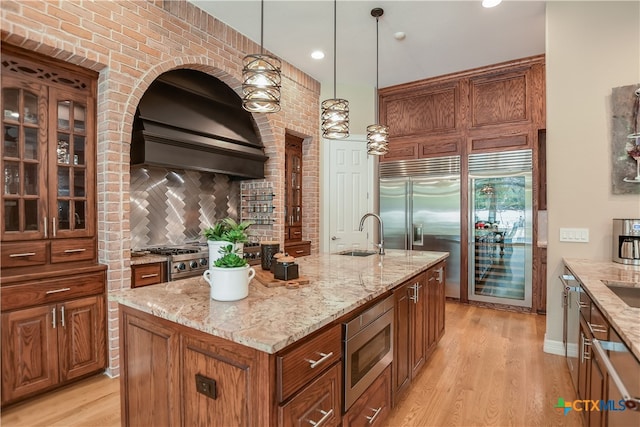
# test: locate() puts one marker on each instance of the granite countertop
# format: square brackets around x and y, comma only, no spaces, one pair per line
[622,317]
[148,259]
[270,319]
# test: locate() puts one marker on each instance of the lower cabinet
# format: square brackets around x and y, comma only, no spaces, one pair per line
[419,325]
[50,345]
[374,406]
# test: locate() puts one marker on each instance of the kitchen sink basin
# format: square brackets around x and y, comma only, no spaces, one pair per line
[357,253]
[628,292]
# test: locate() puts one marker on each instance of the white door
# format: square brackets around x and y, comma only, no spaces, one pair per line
[349,194]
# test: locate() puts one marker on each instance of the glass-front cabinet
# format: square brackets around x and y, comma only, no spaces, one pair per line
[293,188]
[47,147]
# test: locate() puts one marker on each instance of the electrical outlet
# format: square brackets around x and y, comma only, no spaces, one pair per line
[206,386]
[575,235]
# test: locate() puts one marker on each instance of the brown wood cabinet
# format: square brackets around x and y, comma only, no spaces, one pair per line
[435,305]
[419,325]
[49,345]
[148,274]
[374,406]
[497,107]
[53,303]
[48,155]
[410,332]
[294,222]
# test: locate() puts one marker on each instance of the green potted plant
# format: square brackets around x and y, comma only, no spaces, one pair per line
[230,276]
[222,233]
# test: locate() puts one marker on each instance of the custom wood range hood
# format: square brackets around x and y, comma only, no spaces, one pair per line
[190,120]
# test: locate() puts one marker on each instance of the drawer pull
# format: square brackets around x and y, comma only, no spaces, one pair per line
[299,252]
[325,356]
[73,251]
[325,416]
[148,276]
[373,417]
[55,291]
[597,328]
[24,254]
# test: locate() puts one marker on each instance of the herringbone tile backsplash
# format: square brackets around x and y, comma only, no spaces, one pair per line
[173,207]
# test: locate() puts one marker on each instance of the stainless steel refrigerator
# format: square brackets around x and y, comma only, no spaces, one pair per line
[420,207]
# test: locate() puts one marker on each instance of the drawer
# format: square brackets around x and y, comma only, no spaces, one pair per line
[374,406]
[598,324]
[67,250]
[317,404]
[147,274]
[298,249]
[295,233]
[24,254]
[299,365]
[54,290]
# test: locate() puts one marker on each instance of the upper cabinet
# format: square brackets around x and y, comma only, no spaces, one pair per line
[48,161]
[491,108]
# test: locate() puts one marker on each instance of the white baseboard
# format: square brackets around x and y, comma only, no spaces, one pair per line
[553,347]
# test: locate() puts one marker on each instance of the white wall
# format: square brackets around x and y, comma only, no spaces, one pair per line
[591,47]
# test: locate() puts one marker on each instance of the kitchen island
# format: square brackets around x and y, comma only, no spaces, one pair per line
[622,317]
[187,359]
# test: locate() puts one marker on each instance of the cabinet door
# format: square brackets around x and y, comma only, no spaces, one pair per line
[29,351]
[418,323]
[293,181]
[24,159]
[597,390]
[584,360]
[401,353]
[441,274]
[81,337]
[71,169]
[317,404]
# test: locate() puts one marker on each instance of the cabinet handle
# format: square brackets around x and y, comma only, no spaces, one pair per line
[53,317]
[72,251]
[55,291]
[299,252]
[62,316]
[325,416]
[45,227]
[439,271]
[373,417]
[597,328]
[24,254]
[53,226]
[586,342]
[583,304]
[325,356]
[147,276]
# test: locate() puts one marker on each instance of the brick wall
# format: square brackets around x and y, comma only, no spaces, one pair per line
[130,43]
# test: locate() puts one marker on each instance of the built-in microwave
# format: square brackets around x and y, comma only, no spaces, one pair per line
[368,349]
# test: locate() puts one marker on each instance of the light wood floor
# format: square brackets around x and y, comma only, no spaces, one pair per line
[488,370]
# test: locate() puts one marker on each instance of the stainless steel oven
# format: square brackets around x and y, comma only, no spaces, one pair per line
[368,348]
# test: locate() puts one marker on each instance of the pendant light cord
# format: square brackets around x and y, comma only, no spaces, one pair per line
[335,32]
[261,26]
[377,67]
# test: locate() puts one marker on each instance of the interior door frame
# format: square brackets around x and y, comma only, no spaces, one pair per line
[325,196]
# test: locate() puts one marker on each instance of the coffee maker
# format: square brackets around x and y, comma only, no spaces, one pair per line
[626,241]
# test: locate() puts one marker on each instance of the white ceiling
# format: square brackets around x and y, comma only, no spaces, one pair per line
[441,36]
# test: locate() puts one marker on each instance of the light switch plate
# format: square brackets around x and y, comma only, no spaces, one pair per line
[576,235]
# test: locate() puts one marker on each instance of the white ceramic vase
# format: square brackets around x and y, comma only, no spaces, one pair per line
[216,245]
[229,284]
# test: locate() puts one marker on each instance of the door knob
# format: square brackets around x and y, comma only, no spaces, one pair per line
[335,238]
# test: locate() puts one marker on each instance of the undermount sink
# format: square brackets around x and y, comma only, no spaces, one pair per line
[629,292]
[357,253]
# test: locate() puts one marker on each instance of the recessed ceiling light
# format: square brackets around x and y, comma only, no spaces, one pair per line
[317,54]
[491,3]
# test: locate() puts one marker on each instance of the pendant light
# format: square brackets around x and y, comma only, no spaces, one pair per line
[261,79]
[377,134]
[335,112]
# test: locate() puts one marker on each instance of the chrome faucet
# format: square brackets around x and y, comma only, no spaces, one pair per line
[380,230]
